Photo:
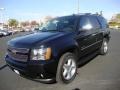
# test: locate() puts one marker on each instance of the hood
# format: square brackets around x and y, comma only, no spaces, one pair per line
[32,40]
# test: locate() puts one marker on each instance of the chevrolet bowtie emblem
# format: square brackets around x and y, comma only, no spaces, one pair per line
[14,51]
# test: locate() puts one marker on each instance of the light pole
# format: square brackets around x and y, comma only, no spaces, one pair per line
[1,9]
[1,15]
[78,6]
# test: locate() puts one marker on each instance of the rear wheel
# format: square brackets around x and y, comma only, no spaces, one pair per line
[67,68]
[104,47]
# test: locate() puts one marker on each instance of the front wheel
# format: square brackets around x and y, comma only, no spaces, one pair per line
[104,47]
[67,68]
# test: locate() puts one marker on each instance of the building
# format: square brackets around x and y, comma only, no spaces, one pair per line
[1,26]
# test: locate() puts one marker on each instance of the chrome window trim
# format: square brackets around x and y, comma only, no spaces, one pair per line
[83,48]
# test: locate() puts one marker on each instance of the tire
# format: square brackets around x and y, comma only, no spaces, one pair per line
[67,68]
[104,47]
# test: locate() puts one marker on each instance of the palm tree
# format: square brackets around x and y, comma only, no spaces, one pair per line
[13,23]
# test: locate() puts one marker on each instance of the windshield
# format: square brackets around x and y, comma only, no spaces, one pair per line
[59,24]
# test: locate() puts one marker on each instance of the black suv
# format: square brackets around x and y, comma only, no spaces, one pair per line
[55,50]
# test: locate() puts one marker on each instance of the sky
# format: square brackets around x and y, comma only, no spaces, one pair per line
[24,10]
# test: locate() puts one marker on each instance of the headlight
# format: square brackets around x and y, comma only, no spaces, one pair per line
[41,54]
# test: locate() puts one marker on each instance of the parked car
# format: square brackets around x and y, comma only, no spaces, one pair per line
[15,31]
[10,32]
[5,32]
[35,30]
[60,45]
[1,34]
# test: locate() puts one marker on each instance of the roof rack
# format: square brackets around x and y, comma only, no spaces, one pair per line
[88,14]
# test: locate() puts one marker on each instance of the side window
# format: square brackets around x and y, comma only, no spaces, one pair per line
[95,24]
[85,24]
[66,24]
[103,22]
[89,23]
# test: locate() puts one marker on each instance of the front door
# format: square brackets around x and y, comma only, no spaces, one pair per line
[87,35]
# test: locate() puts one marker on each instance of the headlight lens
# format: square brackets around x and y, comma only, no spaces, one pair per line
[41,54]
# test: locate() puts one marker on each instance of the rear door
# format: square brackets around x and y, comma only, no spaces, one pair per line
[96,33]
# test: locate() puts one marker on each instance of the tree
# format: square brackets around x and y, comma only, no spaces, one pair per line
[47,18]
[115,18]
[112,23]
[40,23]
[118,16]
[115,21]
[33,23]
[13,22]
[24,24]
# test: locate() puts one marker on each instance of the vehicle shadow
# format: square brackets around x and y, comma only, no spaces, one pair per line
[53,81]
[2,67]
[85,60]
[76,89]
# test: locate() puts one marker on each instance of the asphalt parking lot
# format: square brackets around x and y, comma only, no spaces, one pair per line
[101,73]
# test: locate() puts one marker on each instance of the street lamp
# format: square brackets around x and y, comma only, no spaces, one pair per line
[1,9]
[78,6]
[1,15]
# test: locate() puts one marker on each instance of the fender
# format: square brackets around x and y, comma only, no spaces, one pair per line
[64,44]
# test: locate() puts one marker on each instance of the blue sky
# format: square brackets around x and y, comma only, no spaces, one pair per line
[36,9]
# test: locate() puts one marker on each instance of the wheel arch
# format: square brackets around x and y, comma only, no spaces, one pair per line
[73,49]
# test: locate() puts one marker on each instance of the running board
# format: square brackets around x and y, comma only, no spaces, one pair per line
[85,59]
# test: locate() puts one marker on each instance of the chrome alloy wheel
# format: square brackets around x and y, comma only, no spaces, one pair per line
[105,47]
[69,69]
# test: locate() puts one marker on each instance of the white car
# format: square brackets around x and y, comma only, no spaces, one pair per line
[1,34]
[4,33]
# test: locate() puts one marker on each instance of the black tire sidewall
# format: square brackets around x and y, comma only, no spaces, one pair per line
[59,75]
[102,47]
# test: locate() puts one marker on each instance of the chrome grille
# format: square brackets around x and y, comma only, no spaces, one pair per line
[18,54]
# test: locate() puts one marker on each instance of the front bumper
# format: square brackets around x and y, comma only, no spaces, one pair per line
[34,69]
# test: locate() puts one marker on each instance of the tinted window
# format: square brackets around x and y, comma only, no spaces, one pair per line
[90,23]
[85,23]
[89,20]
[103,22]
[94,22]
[61,23]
